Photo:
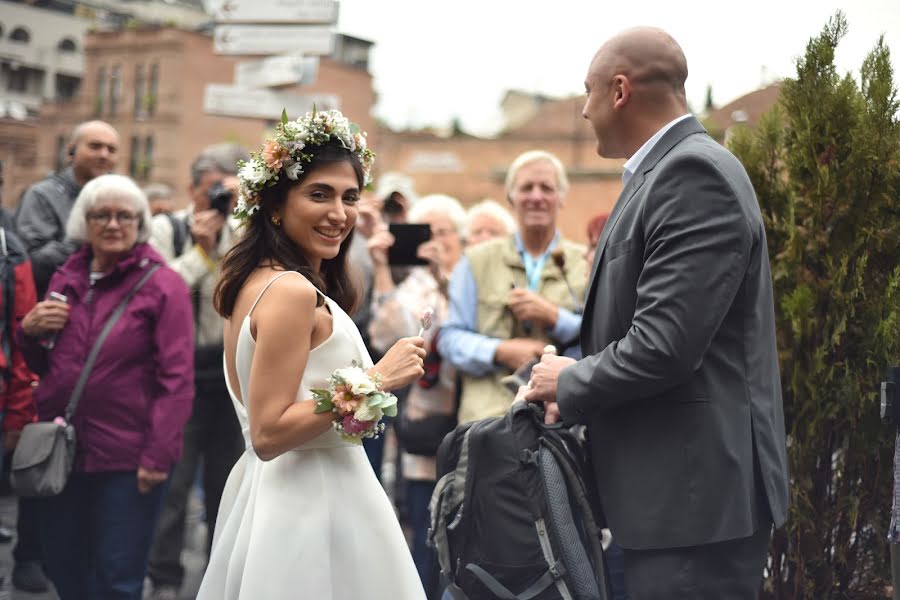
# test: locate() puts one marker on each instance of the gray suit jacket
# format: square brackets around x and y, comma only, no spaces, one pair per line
[680,385]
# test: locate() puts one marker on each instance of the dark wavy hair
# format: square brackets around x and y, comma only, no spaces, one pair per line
[262,242]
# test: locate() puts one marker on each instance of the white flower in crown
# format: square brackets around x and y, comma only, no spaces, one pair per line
[291,147]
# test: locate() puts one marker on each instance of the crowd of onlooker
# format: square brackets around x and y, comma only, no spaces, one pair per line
[155,421]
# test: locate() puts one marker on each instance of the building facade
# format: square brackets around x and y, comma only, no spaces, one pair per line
[149,83]
[471,168]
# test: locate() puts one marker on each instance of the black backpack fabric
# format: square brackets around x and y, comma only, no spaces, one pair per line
[512,515]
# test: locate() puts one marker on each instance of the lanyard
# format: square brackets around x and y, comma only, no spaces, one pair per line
[533,269]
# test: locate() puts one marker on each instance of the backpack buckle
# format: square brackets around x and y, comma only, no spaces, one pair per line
[527,457]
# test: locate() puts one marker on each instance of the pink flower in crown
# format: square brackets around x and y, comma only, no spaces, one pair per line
[354,427]
[344,400]
[275,155]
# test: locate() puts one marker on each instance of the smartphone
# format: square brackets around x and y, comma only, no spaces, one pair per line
[58,297]
[407,239]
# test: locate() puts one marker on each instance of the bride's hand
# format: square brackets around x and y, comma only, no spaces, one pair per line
[402,364]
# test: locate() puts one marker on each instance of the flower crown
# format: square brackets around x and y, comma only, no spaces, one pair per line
[290,148]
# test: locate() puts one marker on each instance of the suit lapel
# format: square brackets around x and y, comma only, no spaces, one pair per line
[672,138]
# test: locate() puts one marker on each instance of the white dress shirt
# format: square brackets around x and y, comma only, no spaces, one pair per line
[632,164]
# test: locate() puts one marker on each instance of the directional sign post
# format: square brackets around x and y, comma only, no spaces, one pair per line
[273,39]
[276,71]
[235,101]
[296,32]
[273,11]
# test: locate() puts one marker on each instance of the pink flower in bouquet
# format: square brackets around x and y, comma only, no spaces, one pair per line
[275,155]
[345,401]
[353,427]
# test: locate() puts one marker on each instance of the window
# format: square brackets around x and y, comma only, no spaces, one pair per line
[20,34]
[139,91]
[16,78]
[66,86]
[66,45]
[134,157]
[115,89]
[153,89]
[101,91]
[147,165]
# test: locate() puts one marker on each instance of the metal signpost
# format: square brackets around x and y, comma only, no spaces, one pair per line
[292,34]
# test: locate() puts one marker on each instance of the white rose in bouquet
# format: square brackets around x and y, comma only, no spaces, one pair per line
[359,382]
[366,412]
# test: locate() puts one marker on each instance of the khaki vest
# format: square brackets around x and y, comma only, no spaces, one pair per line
[497,267]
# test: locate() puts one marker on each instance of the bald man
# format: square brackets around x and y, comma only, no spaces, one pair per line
[679,387]
[44,209]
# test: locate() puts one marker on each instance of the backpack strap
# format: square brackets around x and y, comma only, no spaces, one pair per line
[448,497]
[555,573]
[554,464]
[179,233]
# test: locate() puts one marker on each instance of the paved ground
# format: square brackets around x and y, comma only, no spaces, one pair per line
[194,556]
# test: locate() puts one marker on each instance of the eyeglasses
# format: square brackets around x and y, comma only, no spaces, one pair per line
[103,218]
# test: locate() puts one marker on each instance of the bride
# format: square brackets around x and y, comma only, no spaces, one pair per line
[303,515]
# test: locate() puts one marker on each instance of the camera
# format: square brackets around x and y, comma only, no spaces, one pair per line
[890,399]
[393,204]
[220,198]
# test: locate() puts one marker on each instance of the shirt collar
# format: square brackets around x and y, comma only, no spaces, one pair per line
[634,162]
[520,245]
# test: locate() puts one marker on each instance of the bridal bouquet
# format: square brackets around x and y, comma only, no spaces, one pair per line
[359,402]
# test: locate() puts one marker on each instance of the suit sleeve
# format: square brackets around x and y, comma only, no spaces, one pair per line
[696,251]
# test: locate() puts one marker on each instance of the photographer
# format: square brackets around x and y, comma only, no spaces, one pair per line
[194,241]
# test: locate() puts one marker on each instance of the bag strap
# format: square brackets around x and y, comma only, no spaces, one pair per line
[556,572]
[579,495]
[92,357]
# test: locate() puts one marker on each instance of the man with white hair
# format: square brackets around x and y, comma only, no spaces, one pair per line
[512,296]
[42,214]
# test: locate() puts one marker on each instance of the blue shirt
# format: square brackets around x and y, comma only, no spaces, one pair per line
[460,342]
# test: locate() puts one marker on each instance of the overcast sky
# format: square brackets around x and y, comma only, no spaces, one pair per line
[434,60]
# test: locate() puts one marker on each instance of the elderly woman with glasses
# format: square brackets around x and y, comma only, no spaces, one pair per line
[96,534]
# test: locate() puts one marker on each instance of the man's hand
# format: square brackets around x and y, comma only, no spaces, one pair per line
[515,352]
[147,479]
[544,378]
[551,409]
[205,229]
[529,306]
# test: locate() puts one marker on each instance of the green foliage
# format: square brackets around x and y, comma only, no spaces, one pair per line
[826,168]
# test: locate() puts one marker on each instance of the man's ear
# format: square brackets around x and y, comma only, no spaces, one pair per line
[622,88]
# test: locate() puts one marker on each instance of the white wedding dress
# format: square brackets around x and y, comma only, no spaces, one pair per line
[313,523]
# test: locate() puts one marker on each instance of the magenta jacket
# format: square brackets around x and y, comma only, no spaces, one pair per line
[139,394]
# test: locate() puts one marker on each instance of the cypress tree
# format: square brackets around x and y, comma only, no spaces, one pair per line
[825,164]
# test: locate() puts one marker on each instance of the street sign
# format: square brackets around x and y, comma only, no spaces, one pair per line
[274,39]
[276,71]
[273,11]
[233,101]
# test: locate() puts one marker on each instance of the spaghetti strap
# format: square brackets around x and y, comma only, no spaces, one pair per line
[270,282]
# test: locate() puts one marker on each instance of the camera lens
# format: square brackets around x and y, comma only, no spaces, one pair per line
[394,204]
